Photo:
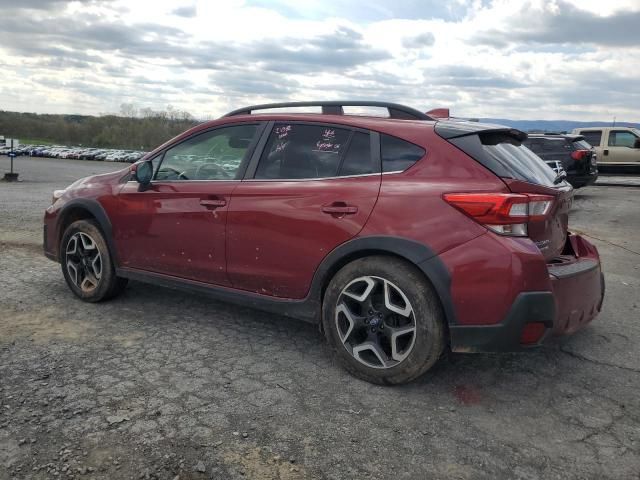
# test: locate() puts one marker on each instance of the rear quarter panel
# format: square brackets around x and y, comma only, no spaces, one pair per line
[410,203]
[486,271]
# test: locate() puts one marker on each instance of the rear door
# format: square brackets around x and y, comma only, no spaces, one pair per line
[311,189]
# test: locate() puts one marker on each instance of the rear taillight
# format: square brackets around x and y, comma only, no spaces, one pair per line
[503,213]
[580,154]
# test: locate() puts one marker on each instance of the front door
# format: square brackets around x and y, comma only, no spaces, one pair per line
[622,147]
[177,225]
[314,188]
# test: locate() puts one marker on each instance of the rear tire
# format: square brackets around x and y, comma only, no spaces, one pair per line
[86,262]
[383,320]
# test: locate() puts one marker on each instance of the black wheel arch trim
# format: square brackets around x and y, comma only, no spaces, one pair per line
[98,213]
[416,253]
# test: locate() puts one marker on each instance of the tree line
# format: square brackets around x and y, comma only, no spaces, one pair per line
[132,128]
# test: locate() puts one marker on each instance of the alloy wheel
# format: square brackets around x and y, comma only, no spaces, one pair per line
[375,322]
[84,262]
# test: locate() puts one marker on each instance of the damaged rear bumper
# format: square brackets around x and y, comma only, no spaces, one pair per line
[575,299]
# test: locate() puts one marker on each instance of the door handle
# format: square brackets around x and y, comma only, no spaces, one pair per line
[212,204]
[340,209]
[606,152]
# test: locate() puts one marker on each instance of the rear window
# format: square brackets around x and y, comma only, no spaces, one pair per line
[518,160]
[581,145]
[554,145]
[507,157]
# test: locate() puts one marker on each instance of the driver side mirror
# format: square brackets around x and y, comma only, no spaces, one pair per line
[143,173]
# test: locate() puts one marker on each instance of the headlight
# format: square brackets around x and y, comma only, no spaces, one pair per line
[56,195]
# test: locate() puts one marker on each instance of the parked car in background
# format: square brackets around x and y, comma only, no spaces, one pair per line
[400,236]
[77,153]
[615,146]
[570,153]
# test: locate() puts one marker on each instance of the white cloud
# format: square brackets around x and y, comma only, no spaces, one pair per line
[489,59]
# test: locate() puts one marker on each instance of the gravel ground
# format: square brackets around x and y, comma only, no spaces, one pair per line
[169,385]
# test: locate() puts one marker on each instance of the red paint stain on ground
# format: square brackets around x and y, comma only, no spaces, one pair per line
[467,395]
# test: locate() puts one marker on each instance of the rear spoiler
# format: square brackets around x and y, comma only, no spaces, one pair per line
[453,129]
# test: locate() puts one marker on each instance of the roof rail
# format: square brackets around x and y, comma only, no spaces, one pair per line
[335,108]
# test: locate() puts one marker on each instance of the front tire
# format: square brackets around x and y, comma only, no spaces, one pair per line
[383,320]
[87,265]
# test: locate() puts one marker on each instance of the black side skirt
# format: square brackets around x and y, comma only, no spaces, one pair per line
[306,309]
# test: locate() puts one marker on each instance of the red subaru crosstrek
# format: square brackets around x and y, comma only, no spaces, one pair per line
[399,236]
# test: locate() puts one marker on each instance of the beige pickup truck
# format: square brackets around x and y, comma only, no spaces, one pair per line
[613,145]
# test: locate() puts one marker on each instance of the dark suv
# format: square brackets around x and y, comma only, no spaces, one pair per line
[571,153]
[400,236]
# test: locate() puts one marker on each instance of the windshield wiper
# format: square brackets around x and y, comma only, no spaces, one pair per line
[560,177]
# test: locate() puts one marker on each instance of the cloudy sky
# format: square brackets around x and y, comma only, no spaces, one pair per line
[559,59]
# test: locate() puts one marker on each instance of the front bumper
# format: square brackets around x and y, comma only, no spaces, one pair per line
[50,235]
[575,299]
[45,244]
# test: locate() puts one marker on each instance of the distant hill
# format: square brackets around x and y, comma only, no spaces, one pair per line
[553,125]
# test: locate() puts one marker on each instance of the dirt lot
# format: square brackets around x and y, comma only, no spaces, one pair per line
[161,384]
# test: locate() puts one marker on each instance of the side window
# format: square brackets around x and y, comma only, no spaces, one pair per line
[621,138]
[550,145]
[397,154]
[358,161]
[302,151]
[593,137]
[213,155]
[155,163]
